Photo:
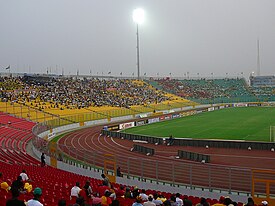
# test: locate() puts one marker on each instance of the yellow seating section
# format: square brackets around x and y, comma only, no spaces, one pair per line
[38,111]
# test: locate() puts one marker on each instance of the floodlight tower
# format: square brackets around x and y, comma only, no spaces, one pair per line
[138,18]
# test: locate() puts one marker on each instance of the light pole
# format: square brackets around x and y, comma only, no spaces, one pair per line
[138,18]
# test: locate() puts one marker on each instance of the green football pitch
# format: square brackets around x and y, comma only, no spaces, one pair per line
[245,123]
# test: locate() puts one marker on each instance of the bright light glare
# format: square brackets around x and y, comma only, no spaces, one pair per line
[138,16]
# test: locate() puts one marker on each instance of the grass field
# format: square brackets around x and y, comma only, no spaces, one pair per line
[246,123]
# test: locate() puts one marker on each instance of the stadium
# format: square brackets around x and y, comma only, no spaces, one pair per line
[164,142]
[137,103]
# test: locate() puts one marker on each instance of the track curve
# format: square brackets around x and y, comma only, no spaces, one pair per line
[89,145]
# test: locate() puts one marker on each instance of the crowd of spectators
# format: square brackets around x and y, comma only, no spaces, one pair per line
[108,194]
[65,93]
[205,88]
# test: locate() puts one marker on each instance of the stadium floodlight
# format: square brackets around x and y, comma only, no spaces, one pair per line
[138,18]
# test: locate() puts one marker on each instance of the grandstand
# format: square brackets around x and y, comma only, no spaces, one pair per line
[210,90]
[54,102]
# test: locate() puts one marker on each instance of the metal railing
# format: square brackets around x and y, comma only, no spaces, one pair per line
[176,173]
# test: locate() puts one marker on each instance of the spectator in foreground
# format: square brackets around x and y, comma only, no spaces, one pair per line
[105,199]
[135,192]
[3,185]
[106,181]
[173,201]
[149,202]
[14,200]
[179,200]
[250,202]
[156,200]
[203,202]
[143,195]
[24,176]
[128,193]
[187,202]
[18,184]
[138,202]
[87,192]
[227,201]
[75,191]
[43,162]
[79,202]
[264,203]
[221,202]
[118,172]
[36,196]
[120,191]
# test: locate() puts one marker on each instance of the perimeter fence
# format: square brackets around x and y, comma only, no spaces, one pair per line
[176,173]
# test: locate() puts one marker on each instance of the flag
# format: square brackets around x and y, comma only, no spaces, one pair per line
[145,74]
[8,67]
[109,72]
[133,73]
[120,73]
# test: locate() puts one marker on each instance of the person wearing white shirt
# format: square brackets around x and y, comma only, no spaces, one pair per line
[178,200]
[149,202]
[35,201]
[24,176]
[143,195]
[75,190]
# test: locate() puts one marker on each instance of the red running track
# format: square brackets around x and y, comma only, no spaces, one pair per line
[229,168]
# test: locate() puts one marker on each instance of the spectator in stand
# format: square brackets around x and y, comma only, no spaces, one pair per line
[75,191]
[14,200]
[135,192]
[43,162]
[106,181]
[173,201]
[36,196]
[105,199]
[86,192]
[118,172]
[187,202]
[3,185]
[26,180]
[149,202]
[113,193]
[101,189]
[179,200]
[68,93]
[18,184]
[79,202]
[250,202]
[161,197]
[221,202]
[227,201]
[128,193]
[264,203]
[156,200]
[24,176]
[120,191]
[143,195]
[203,202]
[138,202]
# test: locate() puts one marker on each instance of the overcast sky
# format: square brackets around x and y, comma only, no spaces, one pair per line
[178,36]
